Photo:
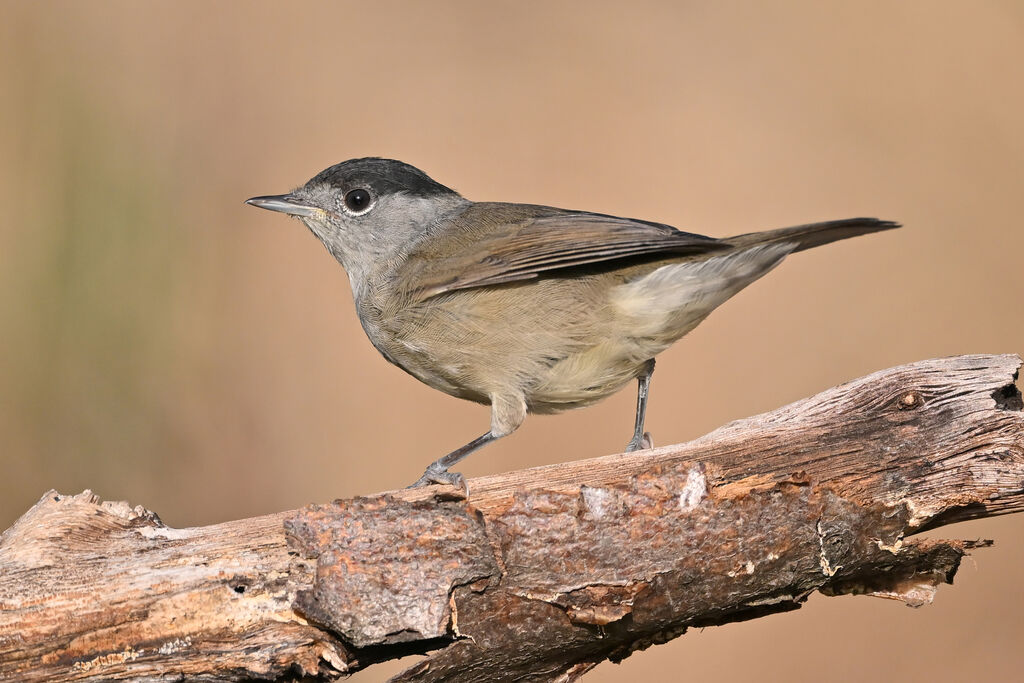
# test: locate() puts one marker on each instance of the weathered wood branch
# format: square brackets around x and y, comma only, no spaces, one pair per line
[542,573]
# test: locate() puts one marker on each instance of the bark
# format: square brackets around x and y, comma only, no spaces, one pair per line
[542,573]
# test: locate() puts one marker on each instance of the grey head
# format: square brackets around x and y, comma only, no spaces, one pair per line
[366,210]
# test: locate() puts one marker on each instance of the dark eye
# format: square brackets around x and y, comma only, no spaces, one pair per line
[357,200]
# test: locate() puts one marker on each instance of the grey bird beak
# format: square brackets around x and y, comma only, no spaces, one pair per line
[285,203]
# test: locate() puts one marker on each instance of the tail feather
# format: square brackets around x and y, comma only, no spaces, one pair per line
[814,234]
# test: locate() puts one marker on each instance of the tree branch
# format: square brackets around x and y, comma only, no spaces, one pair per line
[542,573]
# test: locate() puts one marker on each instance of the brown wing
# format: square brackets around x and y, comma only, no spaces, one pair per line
[491,243]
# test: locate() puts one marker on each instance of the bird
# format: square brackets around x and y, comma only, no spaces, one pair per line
[522,307]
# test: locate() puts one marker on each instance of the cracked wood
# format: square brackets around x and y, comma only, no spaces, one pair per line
[542,573]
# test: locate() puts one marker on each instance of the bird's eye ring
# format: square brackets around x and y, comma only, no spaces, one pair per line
[358,201]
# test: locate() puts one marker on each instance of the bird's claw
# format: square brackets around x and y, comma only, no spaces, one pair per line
[439,476]
[641,444]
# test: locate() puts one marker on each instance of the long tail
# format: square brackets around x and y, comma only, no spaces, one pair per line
[814,234]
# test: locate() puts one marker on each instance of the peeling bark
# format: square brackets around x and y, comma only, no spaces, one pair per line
[540,574]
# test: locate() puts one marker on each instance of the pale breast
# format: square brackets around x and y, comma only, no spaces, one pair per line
[559,342]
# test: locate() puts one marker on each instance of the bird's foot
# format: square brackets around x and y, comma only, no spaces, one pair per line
[640,444]
[437,475]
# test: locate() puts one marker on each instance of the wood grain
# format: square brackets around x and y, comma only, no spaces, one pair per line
[542,573]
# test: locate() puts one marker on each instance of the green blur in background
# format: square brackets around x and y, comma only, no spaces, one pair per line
[166,345]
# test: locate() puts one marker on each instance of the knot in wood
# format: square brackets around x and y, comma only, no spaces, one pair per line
[910,400]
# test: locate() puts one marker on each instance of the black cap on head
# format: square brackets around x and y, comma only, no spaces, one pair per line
[384,175]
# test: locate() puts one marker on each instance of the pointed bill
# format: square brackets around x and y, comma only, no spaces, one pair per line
[284,203]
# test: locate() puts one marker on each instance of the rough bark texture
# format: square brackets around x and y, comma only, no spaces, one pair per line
[542,573]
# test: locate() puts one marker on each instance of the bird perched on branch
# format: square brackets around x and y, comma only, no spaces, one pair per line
[526,308]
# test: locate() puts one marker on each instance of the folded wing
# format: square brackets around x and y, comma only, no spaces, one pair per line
[490,244]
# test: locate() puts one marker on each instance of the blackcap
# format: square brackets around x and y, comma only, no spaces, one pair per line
[530,309]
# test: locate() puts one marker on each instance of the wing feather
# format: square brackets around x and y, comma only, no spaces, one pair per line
[490,244]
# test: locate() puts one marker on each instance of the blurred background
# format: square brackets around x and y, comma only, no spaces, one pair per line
[165,344]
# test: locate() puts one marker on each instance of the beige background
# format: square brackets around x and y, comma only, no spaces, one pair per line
[165,344]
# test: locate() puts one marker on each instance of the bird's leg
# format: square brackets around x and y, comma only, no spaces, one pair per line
[507,413]
[642,439]
[437,472]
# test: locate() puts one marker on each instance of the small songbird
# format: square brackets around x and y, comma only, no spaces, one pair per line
[530,309]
